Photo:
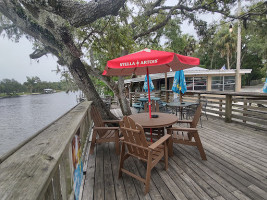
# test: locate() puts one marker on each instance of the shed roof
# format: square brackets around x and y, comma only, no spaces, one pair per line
[194,71]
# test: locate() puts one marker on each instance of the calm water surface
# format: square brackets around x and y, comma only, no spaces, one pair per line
[21,117]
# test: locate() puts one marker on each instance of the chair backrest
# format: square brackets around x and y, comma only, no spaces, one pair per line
[196,116]
[204,103]
[154,106]
[97,119]
[134,137]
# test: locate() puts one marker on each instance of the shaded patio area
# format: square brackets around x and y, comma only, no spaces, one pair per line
[236,168]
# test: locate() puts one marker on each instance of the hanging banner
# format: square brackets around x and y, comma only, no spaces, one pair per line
[77,165]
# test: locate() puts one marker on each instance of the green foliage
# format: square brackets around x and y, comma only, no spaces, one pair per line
[101,87]
[11,87]
[176,41]
[258,69]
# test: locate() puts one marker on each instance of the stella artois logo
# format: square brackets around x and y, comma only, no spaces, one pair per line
[143,62]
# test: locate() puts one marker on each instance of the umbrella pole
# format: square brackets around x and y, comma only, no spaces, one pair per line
[149,101]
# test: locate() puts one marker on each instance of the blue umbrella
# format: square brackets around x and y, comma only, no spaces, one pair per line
[151,86]
[179,83]
[265,86]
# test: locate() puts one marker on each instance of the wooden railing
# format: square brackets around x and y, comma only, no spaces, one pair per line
[247,108]
[43,167]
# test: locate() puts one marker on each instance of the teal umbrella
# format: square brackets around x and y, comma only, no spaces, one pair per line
[179,83]
[151,86]
[265,86]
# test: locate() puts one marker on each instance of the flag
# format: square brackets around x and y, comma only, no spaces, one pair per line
[179,83]
[265,86]
[223,67]
[151,86]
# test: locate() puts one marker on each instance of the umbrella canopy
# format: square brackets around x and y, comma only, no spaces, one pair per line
[179,83]
[148,61]
[265,86]
[151,85]
[153,60]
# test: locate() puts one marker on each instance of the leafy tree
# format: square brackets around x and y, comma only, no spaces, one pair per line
[31,83]
[68,29]
[10,86]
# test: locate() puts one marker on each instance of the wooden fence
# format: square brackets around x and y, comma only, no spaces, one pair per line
[247,108]
[43,167]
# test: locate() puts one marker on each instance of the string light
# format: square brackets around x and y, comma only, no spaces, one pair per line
[231,28]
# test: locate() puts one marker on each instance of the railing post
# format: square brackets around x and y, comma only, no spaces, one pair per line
[167,96]
[245,108]
[228,108]
[66,172]
[130,96]
[220,107]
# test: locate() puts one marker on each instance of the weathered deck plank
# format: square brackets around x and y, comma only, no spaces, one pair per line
[235,168]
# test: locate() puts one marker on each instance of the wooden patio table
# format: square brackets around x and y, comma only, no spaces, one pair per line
[144,100]
[180,105]
[163,120]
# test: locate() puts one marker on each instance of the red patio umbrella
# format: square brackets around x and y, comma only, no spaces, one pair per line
[148,61]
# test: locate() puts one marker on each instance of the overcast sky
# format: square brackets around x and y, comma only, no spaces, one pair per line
[16,63]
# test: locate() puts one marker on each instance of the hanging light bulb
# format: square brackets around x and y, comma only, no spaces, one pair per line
[231,28]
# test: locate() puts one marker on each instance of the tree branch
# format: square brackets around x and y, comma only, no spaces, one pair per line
[38,53]
[79,13]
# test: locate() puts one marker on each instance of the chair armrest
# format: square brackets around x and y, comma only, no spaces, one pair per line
[111,121]
[184,121]
[106,128]
[159,142]
[182,129]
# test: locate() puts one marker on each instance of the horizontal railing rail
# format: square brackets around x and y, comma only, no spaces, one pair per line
[50,165]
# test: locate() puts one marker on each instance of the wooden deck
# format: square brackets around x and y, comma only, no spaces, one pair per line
[236,169]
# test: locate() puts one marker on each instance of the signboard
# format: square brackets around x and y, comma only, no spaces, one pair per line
[77,165]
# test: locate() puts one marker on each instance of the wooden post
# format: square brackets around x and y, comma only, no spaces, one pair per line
[49,192]
[57,186]
[245,108]
[238,56]
[209,81]
[66,173]
[166,88]
[228,108]
[130,96]
[220,107]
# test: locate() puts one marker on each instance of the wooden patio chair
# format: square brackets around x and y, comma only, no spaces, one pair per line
[138,147]
[185,135]
[103,133]
[158,132]
[154,106]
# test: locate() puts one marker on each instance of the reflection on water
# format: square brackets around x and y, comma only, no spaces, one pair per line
[21,117]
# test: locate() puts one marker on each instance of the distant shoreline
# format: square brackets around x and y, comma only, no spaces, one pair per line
[19,95]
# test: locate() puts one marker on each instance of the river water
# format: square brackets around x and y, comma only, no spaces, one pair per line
[21,117]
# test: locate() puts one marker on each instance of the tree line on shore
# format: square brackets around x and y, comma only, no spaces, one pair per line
[11,87]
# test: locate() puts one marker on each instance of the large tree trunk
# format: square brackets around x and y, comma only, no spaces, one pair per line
[84,82]
[124,103]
